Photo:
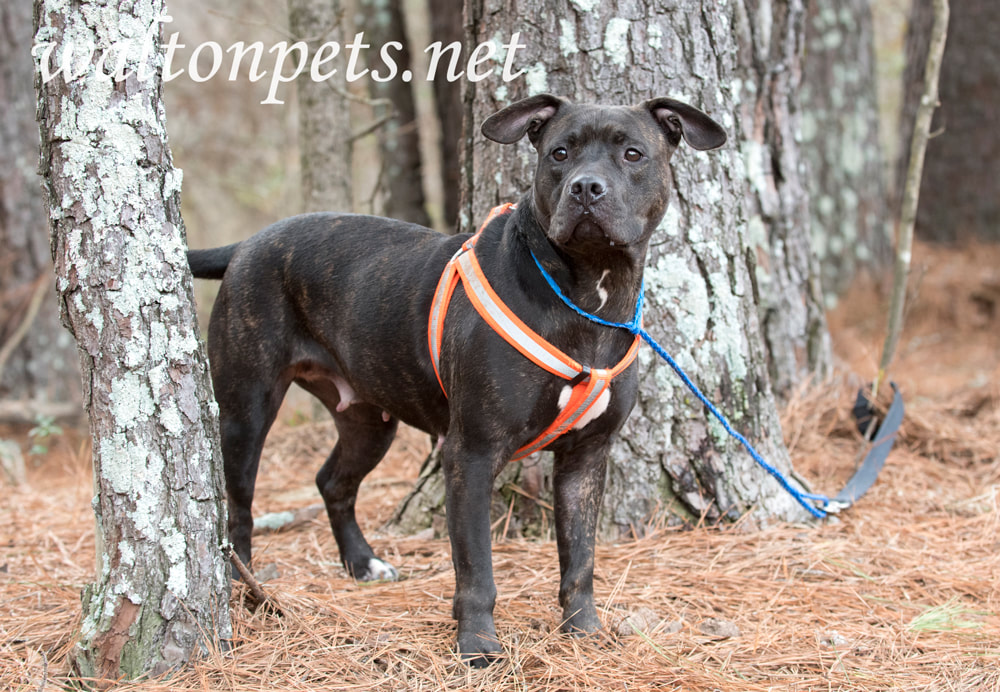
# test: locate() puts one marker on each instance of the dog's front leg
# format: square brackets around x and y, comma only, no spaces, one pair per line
[578,482]
[469,482]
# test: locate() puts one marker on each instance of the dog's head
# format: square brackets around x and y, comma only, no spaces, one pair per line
[602,177]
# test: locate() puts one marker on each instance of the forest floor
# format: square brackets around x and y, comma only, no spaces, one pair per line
[901,592]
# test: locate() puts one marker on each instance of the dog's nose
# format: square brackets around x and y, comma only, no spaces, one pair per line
[587,189]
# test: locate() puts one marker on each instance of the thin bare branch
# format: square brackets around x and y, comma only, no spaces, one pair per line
[911,194]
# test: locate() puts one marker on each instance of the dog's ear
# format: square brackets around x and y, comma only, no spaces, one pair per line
[526,117]
[681,120]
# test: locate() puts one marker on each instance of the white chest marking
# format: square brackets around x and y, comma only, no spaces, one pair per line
[601,291]
[599,407]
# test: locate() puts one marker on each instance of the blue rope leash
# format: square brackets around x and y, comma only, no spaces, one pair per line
[635,327]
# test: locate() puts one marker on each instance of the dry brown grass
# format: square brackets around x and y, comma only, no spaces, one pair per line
[900,593]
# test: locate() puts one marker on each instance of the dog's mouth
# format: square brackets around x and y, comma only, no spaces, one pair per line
[590,230]
[587,228]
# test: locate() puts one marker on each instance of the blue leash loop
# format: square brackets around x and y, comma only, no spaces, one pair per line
[635,327]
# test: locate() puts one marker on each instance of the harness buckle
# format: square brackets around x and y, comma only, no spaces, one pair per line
[582,377]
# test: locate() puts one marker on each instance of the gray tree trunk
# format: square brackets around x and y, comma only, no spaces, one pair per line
[38,363]
[702,302]
[398,137]
[162,585]
[960,189]
[769,73]
[447,27]
[324,113]
[840,140]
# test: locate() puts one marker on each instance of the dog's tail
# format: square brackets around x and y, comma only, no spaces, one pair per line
[211,264]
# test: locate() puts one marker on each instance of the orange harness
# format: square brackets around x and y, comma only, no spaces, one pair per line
[588,384]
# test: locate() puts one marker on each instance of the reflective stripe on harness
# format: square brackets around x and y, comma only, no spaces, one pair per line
[588,384]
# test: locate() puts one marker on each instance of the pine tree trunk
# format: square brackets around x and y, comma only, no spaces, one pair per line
[793,321]
[38,363]
[840,140]
[447,27]
[113,196]
[702,302]
[398,137]
[324,115]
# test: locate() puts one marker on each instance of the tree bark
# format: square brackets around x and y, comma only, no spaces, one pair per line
[113,196]
[398,136]
[840,140]
[960,189]
[447,26]
[701,299]
[38,362]
[324,113]
[770,40]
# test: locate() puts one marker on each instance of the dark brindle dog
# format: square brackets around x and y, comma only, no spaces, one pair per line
[339,303]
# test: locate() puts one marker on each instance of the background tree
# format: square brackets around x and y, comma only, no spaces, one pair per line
[113,196]
[770,40]
[960,189]
[324,114]
[840,140]
[701,294]
[401,169]
[447,26]
[38,363]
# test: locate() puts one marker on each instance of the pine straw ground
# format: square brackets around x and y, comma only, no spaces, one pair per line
[900,593]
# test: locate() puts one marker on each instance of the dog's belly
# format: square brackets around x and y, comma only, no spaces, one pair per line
[414,405]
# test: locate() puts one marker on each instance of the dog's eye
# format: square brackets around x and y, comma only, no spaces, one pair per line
[560,154]
[633,155]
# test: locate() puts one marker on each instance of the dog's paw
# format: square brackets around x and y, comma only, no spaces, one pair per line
[479,650]
[377,570]
[582,623]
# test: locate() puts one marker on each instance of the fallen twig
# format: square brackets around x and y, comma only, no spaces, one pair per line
[260,597]
[28,410]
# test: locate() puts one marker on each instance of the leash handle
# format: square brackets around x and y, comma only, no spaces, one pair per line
[865,476]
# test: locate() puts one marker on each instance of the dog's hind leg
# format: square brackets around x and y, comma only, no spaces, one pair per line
[364,436]
[246,414]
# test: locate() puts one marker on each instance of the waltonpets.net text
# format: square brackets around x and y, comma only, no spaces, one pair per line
[284,61]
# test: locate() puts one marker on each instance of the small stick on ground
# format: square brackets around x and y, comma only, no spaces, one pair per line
[259,597]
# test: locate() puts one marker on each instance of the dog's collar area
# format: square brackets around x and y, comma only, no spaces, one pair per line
[588,384]
[538,244]
[633,327]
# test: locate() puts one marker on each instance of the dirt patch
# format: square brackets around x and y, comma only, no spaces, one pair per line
[901,592]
